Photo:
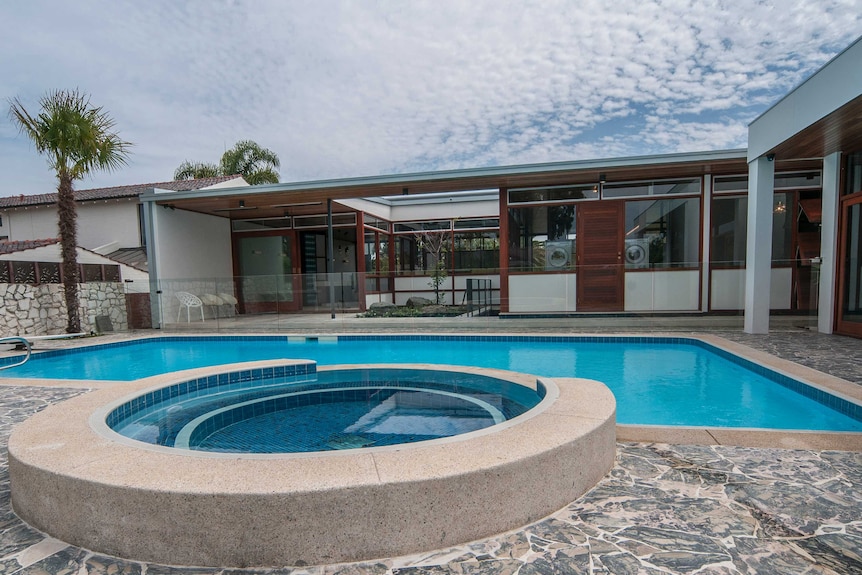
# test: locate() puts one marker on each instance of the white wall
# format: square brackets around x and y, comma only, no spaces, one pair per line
[191,246]
[374,208]
[406,287]
[728,289]
[99,223]
[542,293]
[662,291]
[378,297]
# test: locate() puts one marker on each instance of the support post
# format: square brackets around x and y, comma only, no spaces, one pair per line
[153,264]
[330,256]
[829,242]
[758,264]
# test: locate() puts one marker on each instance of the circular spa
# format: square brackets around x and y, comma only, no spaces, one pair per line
[325,411]
[278,463]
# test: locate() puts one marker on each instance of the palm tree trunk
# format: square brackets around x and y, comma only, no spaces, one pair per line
[68,224]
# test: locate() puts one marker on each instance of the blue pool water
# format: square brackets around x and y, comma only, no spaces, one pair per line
[319,411]
[659,381]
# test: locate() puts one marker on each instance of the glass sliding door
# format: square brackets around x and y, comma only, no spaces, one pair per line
[266,268]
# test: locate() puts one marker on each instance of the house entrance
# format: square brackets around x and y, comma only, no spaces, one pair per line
[267,273]
[600,266]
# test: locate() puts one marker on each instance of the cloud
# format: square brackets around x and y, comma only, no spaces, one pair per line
[343,89]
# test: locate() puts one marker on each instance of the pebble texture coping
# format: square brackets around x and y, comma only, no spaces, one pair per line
[90,490]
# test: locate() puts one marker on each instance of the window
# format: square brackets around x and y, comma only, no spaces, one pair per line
[423,226]
[662,233]
[554,194]
[420,252]
[782,181]
[727,233]
[260,224]
[853,174]
[661,188]
[729,227]
[782,227]
[477,224]
[376,261]
[477,251]
[377,223]
[542,238]
[321,221]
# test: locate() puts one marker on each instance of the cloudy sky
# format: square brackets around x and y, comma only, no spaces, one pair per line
[341,89]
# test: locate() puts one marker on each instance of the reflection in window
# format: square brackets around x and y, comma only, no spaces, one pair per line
[727,233]
[729,229]
[662,233]
[542,238]
[782,227]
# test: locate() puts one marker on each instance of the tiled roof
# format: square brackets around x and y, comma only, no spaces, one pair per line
[13,246]
[112,193]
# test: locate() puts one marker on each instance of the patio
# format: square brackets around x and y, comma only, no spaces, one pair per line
[662,509]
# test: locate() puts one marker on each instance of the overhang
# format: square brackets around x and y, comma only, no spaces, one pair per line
[297,198]
[821,116]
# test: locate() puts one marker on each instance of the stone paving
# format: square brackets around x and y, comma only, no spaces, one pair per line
[661,510]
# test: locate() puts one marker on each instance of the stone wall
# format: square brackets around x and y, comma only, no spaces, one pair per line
[41,309]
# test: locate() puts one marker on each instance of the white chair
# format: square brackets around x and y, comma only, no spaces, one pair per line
[230,302]
[214,302]
[189,301]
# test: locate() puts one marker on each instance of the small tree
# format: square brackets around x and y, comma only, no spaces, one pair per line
[435,244]
[78,139]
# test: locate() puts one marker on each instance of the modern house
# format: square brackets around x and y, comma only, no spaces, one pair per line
[771,228]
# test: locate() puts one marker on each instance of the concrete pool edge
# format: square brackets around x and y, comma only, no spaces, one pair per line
[85,489]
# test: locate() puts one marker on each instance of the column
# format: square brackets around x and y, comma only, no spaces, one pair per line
[829,243]
[758,266]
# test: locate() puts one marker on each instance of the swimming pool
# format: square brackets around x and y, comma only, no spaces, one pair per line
[657,381]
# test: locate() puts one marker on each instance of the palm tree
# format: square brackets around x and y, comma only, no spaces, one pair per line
[78,139]
[194,170]
[256,164]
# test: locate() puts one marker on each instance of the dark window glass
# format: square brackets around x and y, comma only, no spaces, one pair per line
[264,224]
[542,238]
[797,180]
[782,227]
[665,188]
[853,175]
[554,194]
[730,184]
[423,226]
[662,233]
[727,230]
[477,251]
[477,224]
